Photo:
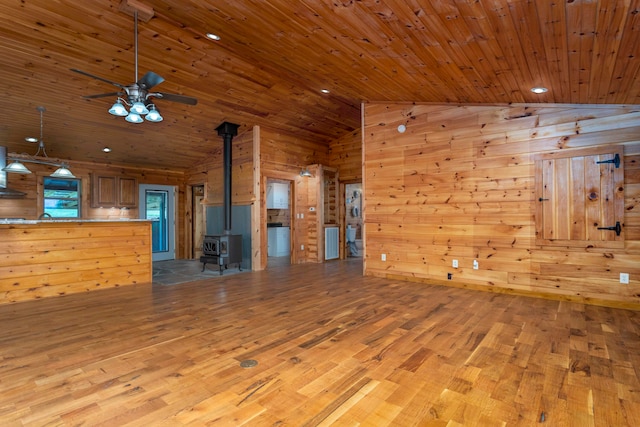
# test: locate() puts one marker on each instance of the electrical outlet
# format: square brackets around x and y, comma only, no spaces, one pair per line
[383,257]
[302,247]
[624,278]
[454,263]
[449,276]
[475,264]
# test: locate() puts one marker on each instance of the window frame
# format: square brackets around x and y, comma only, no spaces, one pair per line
[78,198]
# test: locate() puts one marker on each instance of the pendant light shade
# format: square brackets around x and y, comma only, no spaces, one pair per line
[62,172]
[139,108]
[154,115]
[134,117]
[117,109]
[16,167]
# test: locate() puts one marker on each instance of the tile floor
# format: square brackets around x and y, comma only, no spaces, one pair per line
[177,271]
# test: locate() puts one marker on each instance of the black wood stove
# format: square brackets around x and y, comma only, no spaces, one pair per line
[224,249]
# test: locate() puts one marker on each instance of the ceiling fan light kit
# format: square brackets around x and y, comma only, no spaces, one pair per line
[136,96]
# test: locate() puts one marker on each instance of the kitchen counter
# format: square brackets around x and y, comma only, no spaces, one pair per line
[55,257]
[56,220]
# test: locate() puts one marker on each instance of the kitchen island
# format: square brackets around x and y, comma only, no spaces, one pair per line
[46,258]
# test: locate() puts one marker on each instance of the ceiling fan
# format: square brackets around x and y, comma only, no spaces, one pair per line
[138,94]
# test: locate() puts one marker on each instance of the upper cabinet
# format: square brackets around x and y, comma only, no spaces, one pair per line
[277,195]
[110,191]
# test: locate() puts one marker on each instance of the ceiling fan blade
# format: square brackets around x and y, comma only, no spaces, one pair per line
[175,98]
[150,80]
[103,95]
[84,73]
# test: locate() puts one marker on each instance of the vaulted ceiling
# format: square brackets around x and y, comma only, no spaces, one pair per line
[274,58]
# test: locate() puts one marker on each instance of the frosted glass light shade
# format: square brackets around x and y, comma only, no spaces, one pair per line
[134,117]
[139,108]
[16,167]
[62,172]
[154,115]
[117,109]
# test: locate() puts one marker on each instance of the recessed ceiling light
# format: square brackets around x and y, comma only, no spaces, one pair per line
[539,89]
[212,36]
[324,90]
[31,139]
[106,149]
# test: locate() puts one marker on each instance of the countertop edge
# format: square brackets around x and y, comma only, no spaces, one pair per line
[69,221]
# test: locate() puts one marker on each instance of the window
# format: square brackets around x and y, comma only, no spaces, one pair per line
[580,198]
[62,197]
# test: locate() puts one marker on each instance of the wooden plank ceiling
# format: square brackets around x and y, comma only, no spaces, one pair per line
[274,57]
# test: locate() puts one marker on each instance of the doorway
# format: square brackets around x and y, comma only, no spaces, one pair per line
[157,203]
[353,219]
[278,195]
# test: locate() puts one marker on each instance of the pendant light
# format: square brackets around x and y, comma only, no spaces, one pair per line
[16,165]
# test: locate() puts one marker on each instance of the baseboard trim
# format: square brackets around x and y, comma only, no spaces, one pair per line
[626,305]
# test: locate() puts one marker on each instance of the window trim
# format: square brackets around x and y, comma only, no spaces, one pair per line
[79,198]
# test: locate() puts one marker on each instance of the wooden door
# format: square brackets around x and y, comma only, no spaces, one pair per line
[580,198]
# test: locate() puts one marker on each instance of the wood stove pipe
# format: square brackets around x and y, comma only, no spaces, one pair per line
[227,131]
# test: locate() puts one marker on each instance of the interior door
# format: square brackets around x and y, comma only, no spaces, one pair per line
[157,203]
[198,226]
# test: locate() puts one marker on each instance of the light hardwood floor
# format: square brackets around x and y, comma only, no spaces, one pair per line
[332,347]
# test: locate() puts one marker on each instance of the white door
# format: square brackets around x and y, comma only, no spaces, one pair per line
[157,203]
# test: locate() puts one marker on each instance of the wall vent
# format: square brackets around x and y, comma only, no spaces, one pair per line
[331,243]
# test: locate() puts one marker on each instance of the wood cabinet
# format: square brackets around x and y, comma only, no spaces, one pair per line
[277,195]
[110,191]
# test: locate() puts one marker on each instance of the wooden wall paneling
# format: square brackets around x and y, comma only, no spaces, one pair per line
[190,250]
[302,219]
[318,214]
[258,207]
[451,188]
[59,258]
[314,219]
[345,154]
[242,188]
